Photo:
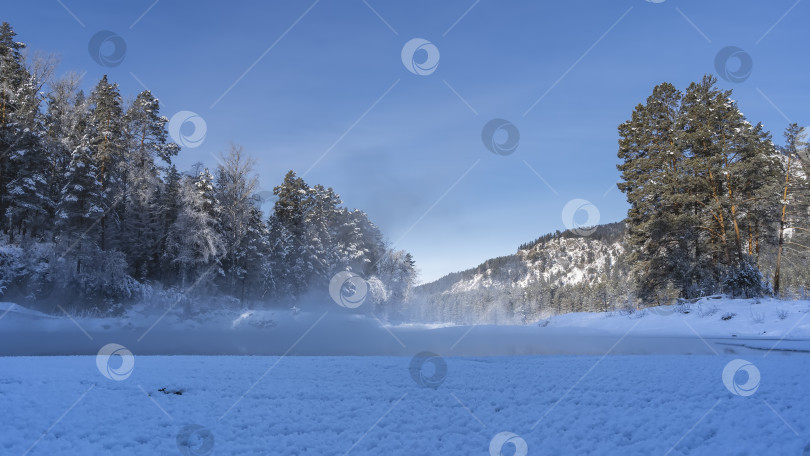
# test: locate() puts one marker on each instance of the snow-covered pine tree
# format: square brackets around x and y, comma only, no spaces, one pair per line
[794,201]
[30,201]
[256,255]
[276,276]
[146,156]
[204,182]
[370,242]
[700,179]
[322,222]
[24,198]
[12,77]
[107,139]
[80,205]
[732,167]
[64,114]
[659,228]
[169,206]
[288,224]
[758,175]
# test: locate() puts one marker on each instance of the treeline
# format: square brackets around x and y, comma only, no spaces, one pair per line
[93,211]
[715,206]
[608,233]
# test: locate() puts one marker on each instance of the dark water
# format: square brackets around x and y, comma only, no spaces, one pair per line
[329,336]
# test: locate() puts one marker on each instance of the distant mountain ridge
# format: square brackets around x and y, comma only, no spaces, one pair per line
[532,259]
[556,273]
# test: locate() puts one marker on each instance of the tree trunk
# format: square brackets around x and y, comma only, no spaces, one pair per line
[776,274]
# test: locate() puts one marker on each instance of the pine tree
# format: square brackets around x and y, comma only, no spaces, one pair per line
[733,170]
[24,199]
[659,217]
[169,206]
[322,220]
[146,131]
[80,204]
[256,256]
[288,225]
[107,140]
[64,116]
[370,242]
[759,174]
[12,77]
[793,207]
[28,189]
[700,182]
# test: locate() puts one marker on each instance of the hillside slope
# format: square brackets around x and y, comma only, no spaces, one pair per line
[557,273]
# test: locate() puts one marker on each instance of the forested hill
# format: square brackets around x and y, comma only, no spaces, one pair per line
[610,234]
[556,273]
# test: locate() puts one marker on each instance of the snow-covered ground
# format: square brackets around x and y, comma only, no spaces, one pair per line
[557,405]
[714,317]
[743,390]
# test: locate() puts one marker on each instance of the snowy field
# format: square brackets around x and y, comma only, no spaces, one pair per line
[715,377]
[713,317]
[557,405]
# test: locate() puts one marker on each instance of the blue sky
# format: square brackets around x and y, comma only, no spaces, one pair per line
[326,79]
